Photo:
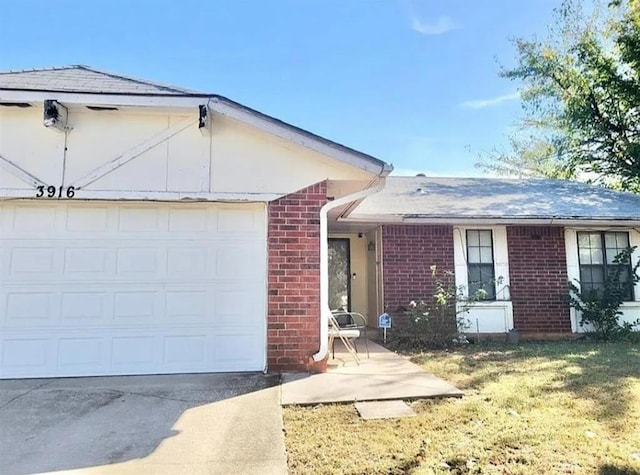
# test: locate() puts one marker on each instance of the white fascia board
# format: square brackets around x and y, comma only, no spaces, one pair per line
[288,133]
[111,195]
[103,99]
[394,219]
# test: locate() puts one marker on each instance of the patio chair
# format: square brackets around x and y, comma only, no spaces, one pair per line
[352,325]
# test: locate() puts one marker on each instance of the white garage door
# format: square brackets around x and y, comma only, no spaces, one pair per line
[138,288]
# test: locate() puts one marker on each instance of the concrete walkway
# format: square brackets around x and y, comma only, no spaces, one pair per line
[383,376]
[179,424]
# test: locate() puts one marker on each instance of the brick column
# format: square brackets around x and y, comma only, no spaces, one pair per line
[293,323]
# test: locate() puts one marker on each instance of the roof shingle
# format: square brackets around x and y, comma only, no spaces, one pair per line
[84,79]
[499,198]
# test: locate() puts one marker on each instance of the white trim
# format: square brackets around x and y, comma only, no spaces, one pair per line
[463,221]
[501,269]
[103,99]
[303,140]
[132,153]
[573,268]
[112,195]
[265,327]
[573,271]
[380,270]
[19,172]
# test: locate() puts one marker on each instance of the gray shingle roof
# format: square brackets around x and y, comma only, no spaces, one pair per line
[424,197]
[84,79]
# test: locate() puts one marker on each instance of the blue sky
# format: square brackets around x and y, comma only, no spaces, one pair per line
[414,82]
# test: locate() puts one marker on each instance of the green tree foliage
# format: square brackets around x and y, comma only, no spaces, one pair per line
[580,89]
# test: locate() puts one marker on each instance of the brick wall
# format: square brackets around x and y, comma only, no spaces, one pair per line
[293,324]
[538,274]
[409,251]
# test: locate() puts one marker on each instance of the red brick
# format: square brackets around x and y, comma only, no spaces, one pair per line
[538,279]
[294,294]
[409,251]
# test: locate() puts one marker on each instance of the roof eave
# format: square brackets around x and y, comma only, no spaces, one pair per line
[531,220]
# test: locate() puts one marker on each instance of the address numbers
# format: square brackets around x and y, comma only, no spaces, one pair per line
[55,192]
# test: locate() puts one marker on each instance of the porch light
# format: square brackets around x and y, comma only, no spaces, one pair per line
[55,115]
[203,119]
[371,246]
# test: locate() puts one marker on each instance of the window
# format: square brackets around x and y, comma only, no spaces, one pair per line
[480,266]
[596,253]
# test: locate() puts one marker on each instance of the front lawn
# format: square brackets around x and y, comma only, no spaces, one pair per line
[535,408]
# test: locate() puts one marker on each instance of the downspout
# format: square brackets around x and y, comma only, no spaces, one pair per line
[325,311]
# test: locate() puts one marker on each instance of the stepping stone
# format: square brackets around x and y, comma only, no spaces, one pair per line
[384,409]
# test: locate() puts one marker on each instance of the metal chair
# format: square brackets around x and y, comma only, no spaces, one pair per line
[352,325]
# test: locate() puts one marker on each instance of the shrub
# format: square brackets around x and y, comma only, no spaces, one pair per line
[600,308]
[436,323]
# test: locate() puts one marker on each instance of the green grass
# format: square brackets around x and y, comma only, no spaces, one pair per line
[531,409]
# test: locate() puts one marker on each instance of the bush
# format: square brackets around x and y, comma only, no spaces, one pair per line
[438,323]
[600,308]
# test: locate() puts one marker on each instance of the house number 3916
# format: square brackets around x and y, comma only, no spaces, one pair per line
[53,192]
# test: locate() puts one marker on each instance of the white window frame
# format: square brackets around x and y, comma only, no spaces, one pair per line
[630,310]
[502,305]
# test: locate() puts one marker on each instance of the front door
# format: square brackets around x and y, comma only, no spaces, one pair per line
[339,274]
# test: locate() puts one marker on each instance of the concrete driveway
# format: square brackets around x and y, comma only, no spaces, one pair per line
[212,423]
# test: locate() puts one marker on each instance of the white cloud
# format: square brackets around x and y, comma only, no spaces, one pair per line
[494,101]
[443,25]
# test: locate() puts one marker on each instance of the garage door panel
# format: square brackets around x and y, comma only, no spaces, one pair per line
[139,352]
[89,306]
[186,349]
[66,219]
[138,260]
[140,219]
[94,220]
[85,262]
[25,356]
[223,305]
[239,261]
[194,220]
[113,352]
[136,305]
[230,360]
[81,352]
[94,261]
[32,260]
[28,307]
[30,221]
[97,294]
[188,262]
